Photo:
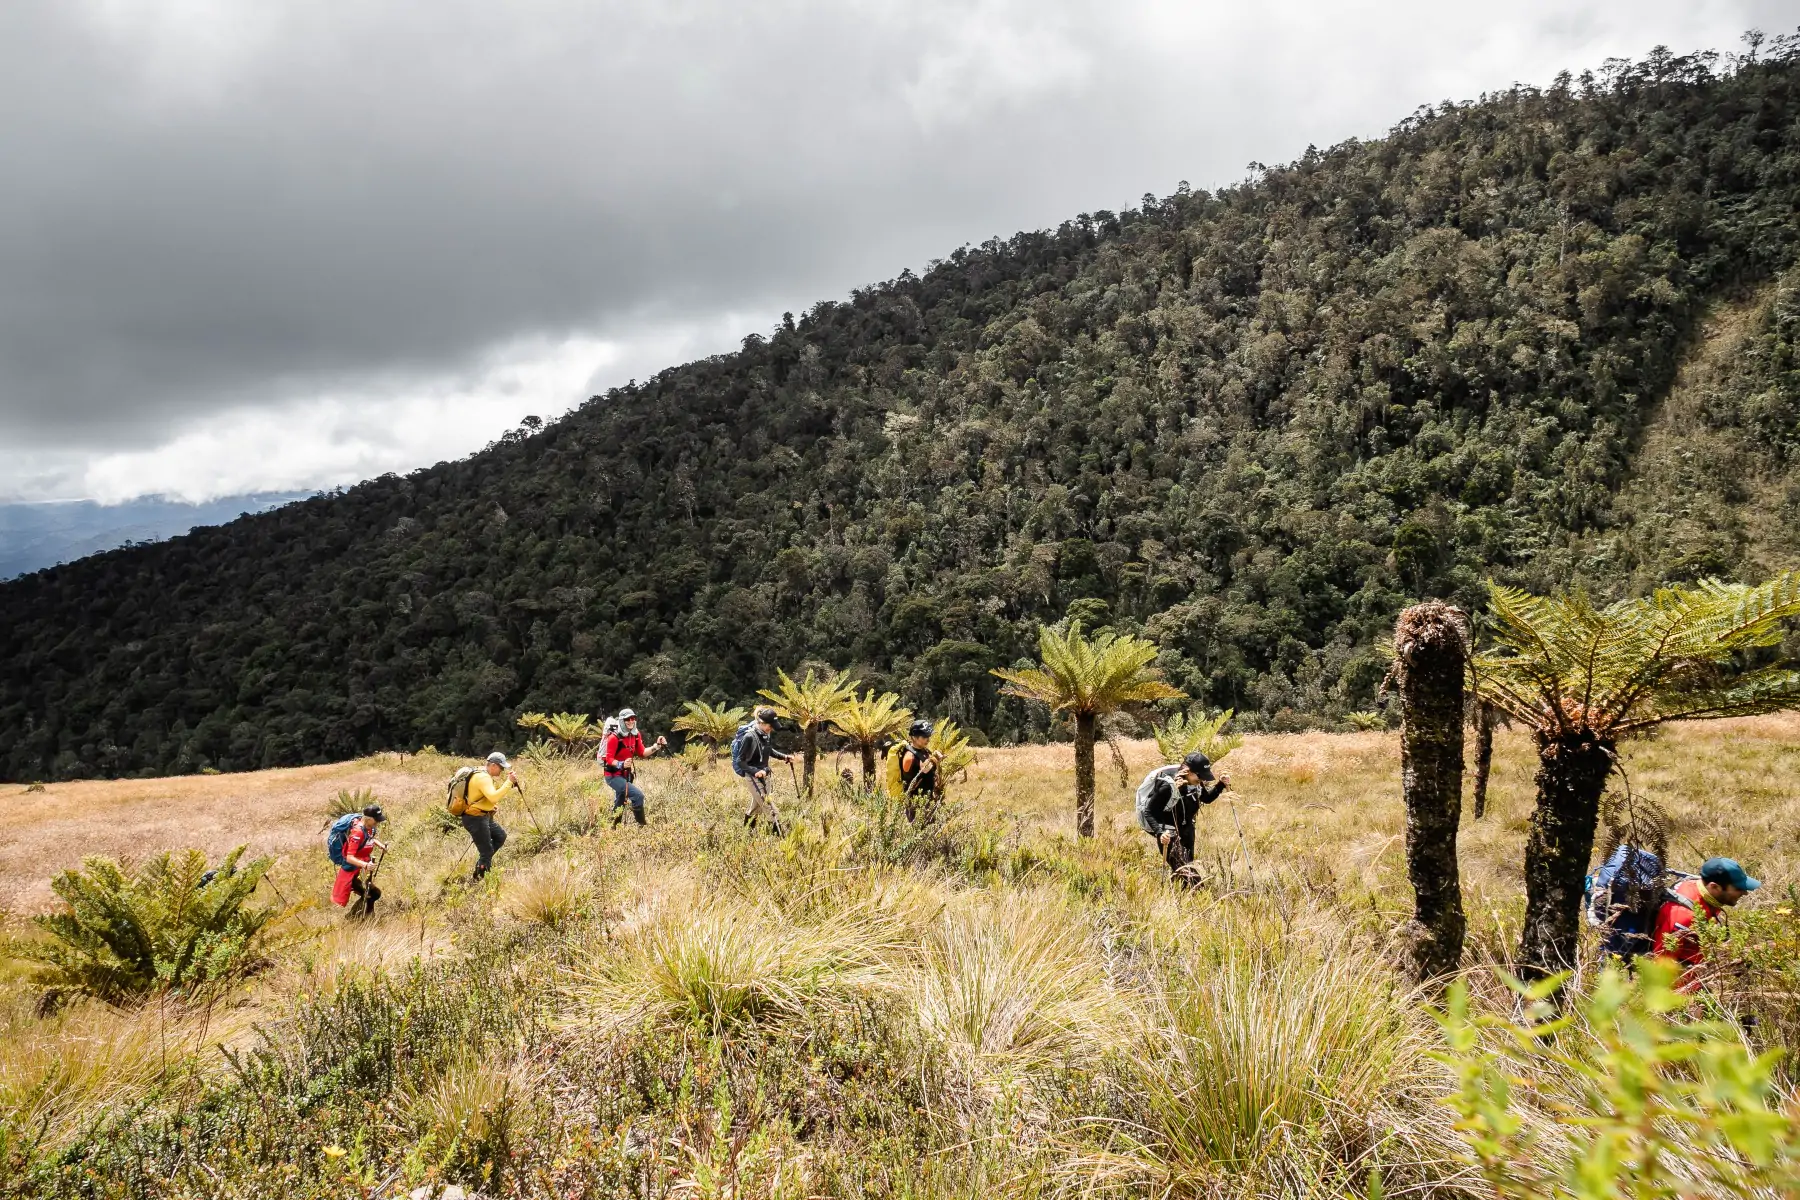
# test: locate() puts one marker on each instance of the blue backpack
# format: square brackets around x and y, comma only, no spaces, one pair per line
[336,836]
[747,730]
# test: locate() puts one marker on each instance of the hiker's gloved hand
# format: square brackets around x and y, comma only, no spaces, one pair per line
[1166,837]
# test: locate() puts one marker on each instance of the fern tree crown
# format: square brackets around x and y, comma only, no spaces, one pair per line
[871,718]
[812,702]
[1089,675]
[712,725]
[1565,666]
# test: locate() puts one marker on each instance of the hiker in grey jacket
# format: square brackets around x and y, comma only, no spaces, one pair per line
[1168,800]
[752,750]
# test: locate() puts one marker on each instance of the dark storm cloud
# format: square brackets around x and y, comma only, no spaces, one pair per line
[215,204]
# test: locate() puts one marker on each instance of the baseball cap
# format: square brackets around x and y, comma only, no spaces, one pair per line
[499,758]
[1727,871]
[626,714]
[1200,765]
[920,729]
[766,715]
[374,813]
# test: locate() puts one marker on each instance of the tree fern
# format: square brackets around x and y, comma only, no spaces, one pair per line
[1582,677]
[713,725]
[123,936]
[810,704]
[1087,677]
[1184,733]
[867,721]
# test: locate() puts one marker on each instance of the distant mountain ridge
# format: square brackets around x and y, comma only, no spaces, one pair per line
[1250,424]
[35,535]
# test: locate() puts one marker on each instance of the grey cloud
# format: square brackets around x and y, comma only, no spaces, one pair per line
[213,203]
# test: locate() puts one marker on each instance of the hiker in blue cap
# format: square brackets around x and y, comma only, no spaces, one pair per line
[1720,885]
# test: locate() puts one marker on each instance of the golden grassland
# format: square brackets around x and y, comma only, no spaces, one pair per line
[1006,1011]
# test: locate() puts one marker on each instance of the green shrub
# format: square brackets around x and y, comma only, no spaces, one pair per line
[1622,1097]
[1753,969]
[125,936]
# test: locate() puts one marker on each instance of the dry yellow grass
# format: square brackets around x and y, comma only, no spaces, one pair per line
[273,812]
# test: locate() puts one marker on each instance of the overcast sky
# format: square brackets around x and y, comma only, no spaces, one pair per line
[277,244]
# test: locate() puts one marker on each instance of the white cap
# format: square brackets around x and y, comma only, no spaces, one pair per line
[625,714]
[500,759]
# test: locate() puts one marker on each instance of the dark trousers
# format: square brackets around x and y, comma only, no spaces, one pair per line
[1180,853]
[488,837]
[623,790]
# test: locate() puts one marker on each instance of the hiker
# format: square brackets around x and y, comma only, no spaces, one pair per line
[1719,886]
[617,749]
[1168,800]
[751,752]
[483,799]
[349,844]
[913,774]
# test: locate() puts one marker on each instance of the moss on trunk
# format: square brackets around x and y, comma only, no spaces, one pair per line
[1431,648]
[1572,773]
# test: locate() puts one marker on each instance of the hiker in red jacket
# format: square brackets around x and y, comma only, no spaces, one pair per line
[616,753]
[1722,883]
[355,855]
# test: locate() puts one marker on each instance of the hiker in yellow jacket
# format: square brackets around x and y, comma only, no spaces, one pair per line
[485,789]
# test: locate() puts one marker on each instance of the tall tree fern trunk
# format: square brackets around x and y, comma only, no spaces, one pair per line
[809,754]
[1572,774]
[1484,754]
[868,764]
[1430,648]
[1084,774]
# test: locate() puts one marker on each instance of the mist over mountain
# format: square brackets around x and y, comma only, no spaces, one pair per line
[1546,336]
[43,534]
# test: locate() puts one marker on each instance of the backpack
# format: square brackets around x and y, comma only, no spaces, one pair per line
[1144,791]
[891,772]
[335,837]
[1623,897]
[737,742]
[456,792]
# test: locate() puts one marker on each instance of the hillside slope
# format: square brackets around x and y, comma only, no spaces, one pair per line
[1250,422]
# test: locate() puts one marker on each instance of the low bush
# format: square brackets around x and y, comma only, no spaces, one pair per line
[1623,1096]
[170,926]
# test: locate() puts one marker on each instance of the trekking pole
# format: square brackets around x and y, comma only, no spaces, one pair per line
[367,900]
[795,776]
[522,800]
[1249,866]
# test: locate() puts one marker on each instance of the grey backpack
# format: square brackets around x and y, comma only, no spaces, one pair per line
[1145,789]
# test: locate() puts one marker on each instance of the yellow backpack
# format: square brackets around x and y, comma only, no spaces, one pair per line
[891,775]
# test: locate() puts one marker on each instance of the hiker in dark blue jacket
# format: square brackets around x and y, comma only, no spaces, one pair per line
[751,752]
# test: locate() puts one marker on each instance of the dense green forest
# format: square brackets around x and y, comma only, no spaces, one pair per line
[1250,423]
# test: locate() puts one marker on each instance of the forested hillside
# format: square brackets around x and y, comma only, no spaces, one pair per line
[1251,423]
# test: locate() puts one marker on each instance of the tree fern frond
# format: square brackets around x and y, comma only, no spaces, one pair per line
[1770,689]
[1081,674]
[868,720]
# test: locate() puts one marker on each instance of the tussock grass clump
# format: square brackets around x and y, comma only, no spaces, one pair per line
[1273,1056]
[1013,981]
[729,965]
[75,1069]
[554,893]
